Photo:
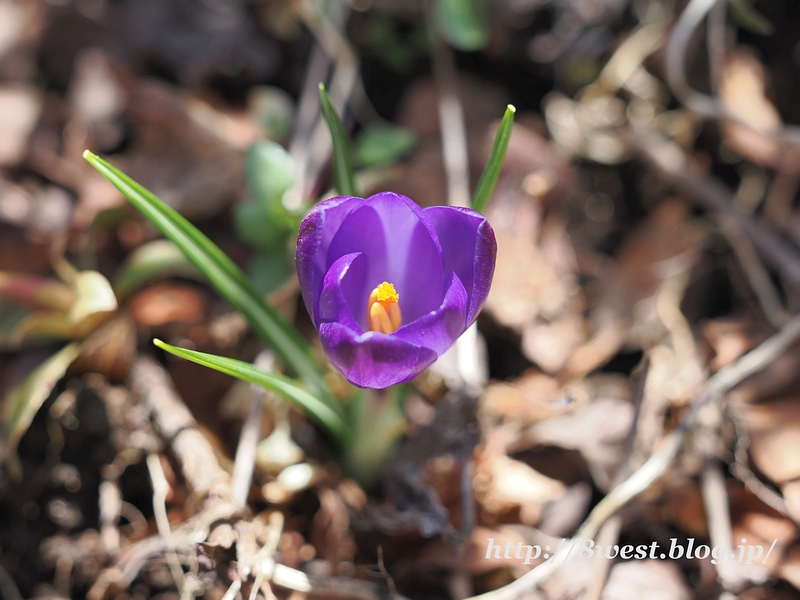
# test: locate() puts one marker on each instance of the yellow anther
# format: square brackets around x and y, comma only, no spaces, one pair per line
[384,311]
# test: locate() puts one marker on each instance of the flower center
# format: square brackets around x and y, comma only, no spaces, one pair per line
[383,309]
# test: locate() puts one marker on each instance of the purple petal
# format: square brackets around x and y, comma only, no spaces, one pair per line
[469,249]
[400,246]
[373,360]
[439,329]
[314,238]
[340,285]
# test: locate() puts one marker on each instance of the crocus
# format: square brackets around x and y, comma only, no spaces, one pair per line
[391,286]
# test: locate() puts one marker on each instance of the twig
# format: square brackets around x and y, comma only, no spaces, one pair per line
[307,115]
[233,590]
[712,195]
[658,463]
[702,104]
[741,469]
[762,286]
[160,491]
[245,461]
[609,533]
[717,506]
[345,75]
[451,117]
[175,422]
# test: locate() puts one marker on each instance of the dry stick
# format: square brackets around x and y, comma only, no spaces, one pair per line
[741,468]
[715,501]
[725,379]
[160,492]
[451,116]
[755,272]
[609,533]
[456,162]
[245,461]
[702,104]
[307,115]
[343,81]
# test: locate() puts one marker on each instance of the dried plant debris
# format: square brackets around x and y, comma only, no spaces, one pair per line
[624,421]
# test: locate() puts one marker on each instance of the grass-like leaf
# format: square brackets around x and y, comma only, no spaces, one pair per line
[223,274]
[495,162]
[325,415]
[343,176]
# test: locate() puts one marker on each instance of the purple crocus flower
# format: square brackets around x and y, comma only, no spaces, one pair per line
[391,286]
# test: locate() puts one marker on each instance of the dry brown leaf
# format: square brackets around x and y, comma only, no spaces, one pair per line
[651,579]
[729,339]
[168,302]
[775,438]
[530,399]
[503,484]
[177,158]
[550,345]
[789,568]
[742,90]
[666,242]
[109,350]
[791,495]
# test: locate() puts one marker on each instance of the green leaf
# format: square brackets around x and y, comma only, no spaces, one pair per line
[381,145]
[273,109]
[223,274]
[270,172]
[494,164]
[24,400]
[268,270]
[262,229]
[327,416]
[463,23]
[343,176]
[749,18]
[150,261]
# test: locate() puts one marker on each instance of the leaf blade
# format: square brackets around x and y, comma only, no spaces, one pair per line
[494,164]
[331,420]
[23,402]
[222,273]
[343,175]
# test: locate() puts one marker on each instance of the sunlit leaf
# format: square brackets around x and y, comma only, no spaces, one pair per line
[223,274]
[380,145]
[93,295]
[269,270]
[343,176]
[330,417]
[23,402]
[263,229]
[153,260]
[463,23]
[36,292]
[273,109]
[494,164]
[270,172]
[92,303]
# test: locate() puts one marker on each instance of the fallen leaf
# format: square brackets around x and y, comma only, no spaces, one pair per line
[168,302]
[651,579]
[23,402]
[742,91]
